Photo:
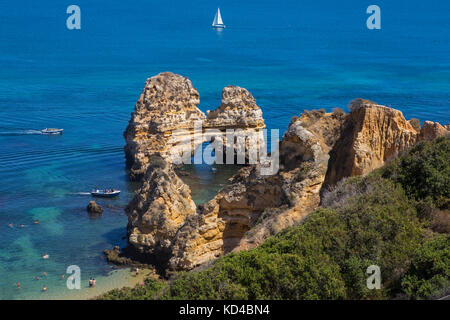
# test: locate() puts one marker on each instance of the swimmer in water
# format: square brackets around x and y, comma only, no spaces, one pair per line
[44,274]
[36,278]
[45,256]
[22,225]
[44,288]
[18,285]
[63,276]
[10,225]
[36,221]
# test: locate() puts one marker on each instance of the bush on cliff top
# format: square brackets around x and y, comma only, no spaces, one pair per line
[424,173]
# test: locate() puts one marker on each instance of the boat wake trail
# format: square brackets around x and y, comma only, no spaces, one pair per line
[19,132]
[82,193]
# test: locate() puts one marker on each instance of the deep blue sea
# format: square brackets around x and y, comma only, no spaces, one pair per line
[291,55]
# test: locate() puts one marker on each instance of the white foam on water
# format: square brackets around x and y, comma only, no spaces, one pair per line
[19,132]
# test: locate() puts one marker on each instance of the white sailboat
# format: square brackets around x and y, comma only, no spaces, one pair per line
[218,23]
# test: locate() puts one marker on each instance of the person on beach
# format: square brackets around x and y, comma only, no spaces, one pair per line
[137,271]
[90,282]
[93,282]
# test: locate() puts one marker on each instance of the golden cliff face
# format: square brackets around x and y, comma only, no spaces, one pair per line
[431,130]
[317,150]
[253,207]
[159,209]
[371,135]
[168,102]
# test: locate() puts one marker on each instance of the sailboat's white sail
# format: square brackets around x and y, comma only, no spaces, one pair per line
[219,17]
[218,20]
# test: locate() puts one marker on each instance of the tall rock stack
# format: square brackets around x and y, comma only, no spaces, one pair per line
[237,111]
[167,103]
[158,210]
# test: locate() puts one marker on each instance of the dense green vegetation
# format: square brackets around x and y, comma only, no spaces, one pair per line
[396,218]
[429,273]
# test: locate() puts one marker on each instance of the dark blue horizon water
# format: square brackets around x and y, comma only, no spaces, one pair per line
[290,55]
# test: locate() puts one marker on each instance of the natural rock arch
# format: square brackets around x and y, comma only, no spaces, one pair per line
[163,220]
[166,116]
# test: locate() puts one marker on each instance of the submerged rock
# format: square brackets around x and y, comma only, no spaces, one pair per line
[94,208]
[125,257]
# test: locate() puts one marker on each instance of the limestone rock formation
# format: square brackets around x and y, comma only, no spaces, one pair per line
[415,123]
[166,118]
[238,110]
[94,208]
[253,207]
[372,135]
[431,130]
[168,102]
[158,210]
[316,151]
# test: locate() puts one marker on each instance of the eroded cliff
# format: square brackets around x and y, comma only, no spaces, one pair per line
[316,151]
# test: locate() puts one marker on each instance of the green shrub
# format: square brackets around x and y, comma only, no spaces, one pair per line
[429,273]
[425,172]
[152,289]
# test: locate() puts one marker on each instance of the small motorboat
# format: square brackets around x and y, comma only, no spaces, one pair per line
[52,131]
[105,193]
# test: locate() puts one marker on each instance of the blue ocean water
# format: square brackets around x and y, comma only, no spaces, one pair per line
[292,55]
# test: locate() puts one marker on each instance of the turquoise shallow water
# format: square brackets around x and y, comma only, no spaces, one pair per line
[291,55]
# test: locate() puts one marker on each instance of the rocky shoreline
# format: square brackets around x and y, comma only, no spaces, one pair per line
[167,229]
